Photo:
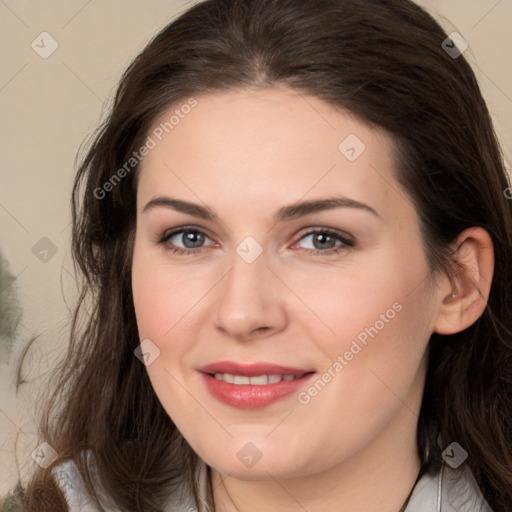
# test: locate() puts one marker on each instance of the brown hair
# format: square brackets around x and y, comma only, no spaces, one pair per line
[381,60]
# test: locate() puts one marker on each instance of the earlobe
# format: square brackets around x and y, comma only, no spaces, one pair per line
[469,291]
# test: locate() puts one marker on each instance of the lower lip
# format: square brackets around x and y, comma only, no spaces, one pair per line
[247,396]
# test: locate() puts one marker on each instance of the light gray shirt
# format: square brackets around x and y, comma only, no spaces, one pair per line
[450,490]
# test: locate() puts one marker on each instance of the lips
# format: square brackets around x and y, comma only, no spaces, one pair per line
[252,386]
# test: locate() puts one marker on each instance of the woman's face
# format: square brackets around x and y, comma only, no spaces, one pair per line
[270,283]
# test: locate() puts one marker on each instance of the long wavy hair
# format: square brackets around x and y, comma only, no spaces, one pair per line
[382,60]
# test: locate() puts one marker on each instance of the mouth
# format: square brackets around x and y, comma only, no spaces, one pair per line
[259,380]
[252,386]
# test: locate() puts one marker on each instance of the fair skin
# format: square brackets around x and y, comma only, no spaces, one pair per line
[246,154]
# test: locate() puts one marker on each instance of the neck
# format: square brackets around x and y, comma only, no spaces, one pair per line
[379,477]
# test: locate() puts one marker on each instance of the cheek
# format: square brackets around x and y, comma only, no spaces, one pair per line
[164,309]
[373,365]
[169,308]
[164,298]
[379,320]
[375,296]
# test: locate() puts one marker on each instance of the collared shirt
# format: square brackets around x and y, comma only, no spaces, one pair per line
[449,490]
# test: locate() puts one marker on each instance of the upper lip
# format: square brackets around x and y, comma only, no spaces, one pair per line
[252,369]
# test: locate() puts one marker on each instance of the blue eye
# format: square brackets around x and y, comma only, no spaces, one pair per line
[190,237]
[323,240]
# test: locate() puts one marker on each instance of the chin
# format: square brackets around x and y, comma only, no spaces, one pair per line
[248,462]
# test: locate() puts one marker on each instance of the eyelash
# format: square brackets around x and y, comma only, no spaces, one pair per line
[347,242]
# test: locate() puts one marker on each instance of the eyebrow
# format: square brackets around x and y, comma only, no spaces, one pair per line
[286,213]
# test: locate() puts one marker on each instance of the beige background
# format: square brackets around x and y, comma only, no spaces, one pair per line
[49,105]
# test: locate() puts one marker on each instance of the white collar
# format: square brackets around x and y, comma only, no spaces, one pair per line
[448,490]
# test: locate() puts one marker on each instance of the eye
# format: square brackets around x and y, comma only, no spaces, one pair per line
[191,238]
[323,241]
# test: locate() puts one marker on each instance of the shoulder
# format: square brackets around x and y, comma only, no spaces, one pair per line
[70,481]
[448,490]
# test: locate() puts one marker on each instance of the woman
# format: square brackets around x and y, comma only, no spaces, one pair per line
[296,241]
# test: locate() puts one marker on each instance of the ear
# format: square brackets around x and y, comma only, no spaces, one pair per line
[464,299]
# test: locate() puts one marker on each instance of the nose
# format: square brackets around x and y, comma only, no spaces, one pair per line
[250,300]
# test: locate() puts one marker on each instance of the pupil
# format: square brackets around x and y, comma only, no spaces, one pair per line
[322,238]
[190,238]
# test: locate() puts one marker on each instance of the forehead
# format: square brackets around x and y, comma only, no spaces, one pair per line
[246,145]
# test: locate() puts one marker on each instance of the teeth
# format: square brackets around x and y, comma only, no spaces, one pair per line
[228,377]
[239,379]
[259,380]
